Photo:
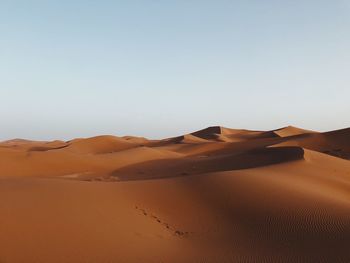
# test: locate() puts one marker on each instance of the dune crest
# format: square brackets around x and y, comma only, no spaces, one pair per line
[290,131]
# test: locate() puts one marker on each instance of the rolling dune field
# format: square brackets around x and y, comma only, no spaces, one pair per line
[214,195]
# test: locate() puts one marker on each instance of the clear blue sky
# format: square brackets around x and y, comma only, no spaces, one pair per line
[160,68]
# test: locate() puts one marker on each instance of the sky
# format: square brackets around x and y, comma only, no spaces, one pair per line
[160,68]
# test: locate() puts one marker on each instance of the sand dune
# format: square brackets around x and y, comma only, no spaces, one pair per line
[336,143]
[100,144]
[290,131]
[214,195]
[188,138]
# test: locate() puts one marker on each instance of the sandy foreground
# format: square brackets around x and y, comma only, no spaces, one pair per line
[215,195]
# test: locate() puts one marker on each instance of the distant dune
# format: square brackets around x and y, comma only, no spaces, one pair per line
[214,195]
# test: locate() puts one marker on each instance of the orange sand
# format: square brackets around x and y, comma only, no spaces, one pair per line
[215,195]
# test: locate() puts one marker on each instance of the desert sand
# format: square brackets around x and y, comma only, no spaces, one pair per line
[214,195]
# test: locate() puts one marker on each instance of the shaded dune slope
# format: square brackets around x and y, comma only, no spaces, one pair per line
[164,168]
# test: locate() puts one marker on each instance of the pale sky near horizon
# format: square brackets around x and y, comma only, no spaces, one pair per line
[162,68]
